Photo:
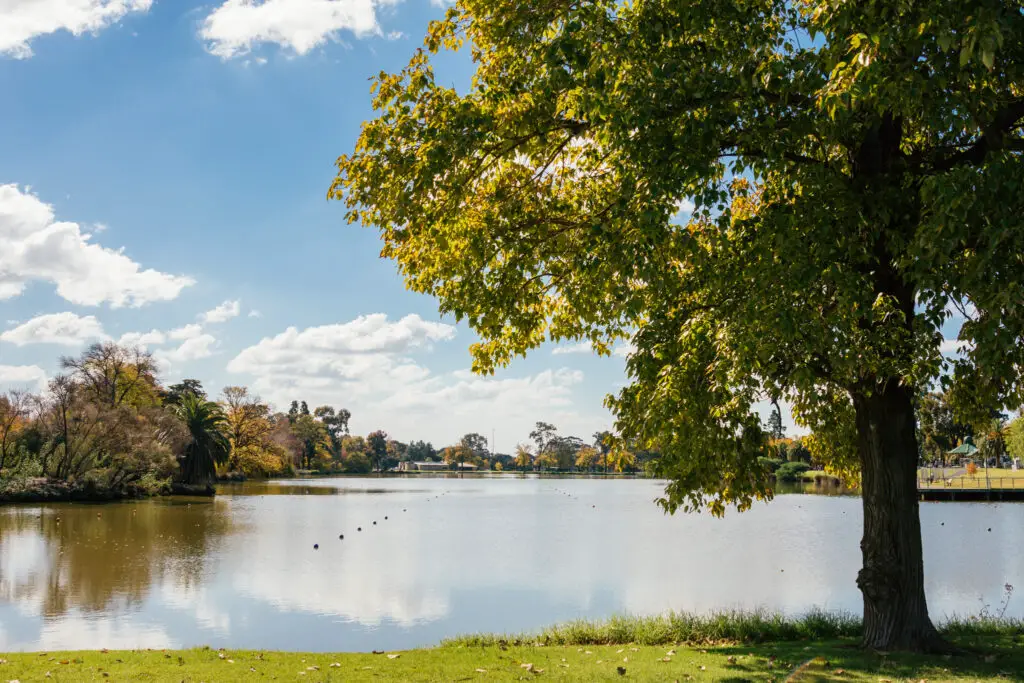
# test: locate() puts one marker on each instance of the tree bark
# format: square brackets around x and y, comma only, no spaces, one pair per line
[892,577]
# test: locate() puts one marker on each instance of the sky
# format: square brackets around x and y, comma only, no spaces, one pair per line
[164,166]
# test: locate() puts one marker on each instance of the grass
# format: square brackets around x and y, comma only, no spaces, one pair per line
[678,627]
[676,647]
[834,660]
[997,479]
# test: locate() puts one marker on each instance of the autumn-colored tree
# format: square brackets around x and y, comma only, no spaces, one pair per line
[524,458]
[111,374]
[855,176]
[587,458]
[14,413]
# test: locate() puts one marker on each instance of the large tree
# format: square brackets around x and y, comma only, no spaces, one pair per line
[851,174]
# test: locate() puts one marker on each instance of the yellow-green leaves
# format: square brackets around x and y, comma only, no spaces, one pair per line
[845,188]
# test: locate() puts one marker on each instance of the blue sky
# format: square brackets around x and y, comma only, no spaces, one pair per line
[163,172]
[162,159]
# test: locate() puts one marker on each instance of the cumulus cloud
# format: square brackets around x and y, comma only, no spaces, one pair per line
[370,362]
[142,339]
[22,376]
[237,26]
[192,348]
[22,21]
[186,332]
[255,314]
[36,247]
[226,311]
[67,329]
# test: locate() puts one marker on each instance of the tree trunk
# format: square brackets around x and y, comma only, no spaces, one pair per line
[892,577]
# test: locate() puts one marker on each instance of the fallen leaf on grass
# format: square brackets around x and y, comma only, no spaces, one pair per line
[666,659]
[481,671]
[619,652]
[220,655]
[703,668]
[312,668]
[230,661]
[731,659]
[335,665]
[671,653]
[394,656]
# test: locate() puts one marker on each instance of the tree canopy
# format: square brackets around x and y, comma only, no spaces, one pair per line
[855,179]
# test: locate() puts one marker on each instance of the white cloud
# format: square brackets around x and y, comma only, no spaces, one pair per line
[66,328]
[367,364]
[192,348]
[237,26]
[187,332]
[621,351]
[684,207]
[581,347]
[952,347]
[23,20]
[36,247]
[22,375]
[142,339]
[255,314]
[226,311]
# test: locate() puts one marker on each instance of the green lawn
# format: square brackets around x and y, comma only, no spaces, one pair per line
[998,478]
[1000,658]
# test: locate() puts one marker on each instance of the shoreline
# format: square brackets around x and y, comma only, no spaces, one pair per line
[46,491]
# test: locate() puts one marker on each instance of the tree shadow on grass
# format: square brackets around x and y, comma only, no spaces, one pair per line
[994,658]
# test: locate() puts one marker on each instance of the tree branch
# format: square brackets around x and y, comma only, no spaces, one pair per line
[993,138]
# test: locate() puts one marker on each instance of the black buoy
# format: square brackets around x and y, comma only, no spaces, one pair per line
[385,516]
[375,522]
[359,528]
[990,528]
[316,546]
[942,524]
[341,537]
[403,509]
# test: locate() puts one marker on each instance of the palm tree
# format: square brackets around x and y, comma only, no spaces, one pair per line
[208,444]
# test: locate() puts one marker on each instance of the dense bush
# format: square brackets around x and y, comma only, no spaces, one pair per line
[770,464]
[791,471]
[356,463]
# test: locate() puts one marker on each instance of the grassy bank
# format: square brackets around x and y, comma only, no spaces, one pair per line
[727,647]
[792,661]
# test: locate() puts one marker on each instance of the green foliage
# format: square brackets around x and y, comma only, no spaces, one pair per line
[770,464]
[791,471]
[849,191]
[207,445]
[377,448]
[939,430]
[1015,438]
[356,463]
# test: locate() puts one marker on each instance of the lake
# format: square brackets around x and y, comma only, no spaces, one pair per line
[448,556]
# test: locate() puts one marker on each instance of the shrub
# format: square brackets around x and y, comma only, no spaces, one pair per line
[357,463]
[791,471]
[770,464]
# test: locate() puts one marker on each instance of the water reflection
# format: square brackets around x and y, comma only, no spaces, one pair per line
[445,556]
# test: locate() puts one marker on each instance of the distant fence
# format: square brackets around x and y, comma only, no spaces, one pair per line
[975,483]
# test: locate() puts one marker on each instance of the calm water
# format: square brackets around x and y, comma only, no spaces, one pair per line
[453,556]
